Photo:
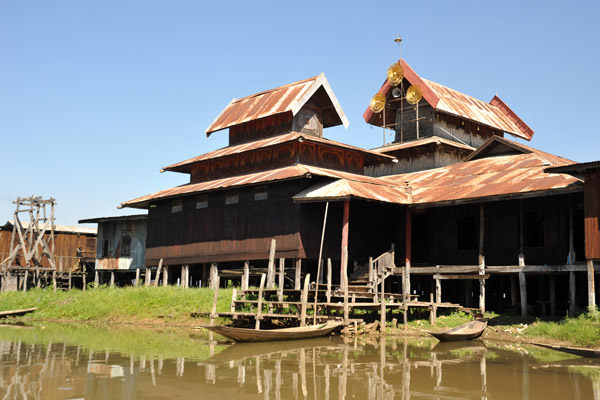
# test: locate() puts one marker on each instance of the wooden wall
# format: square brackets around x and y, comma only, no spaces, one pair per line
[65,248]
[592,214]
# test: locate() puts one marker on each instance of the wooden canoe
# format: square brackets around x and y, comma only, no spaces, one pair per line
[268,335]
[468,331]
[13,313]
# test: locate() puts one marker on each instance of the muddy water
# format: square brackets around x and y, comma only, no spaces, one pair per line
[97,363]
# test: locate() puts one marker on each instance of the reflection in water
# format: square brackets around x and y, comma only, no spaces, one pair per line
[327,368]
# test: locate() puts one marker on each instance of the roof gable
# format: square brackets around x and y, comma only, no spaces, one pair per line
[283,99]
[495,114]
[498,146]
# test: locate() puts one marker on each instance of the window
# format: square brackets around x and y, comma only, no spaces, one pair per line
[260,193]
[232,197]
[533,229]
[105,248]
[467,233]
[125,243]
[202,202]
[176,206]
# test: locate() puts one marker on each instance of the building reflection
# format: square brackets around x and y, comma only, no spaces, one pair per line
[333,368]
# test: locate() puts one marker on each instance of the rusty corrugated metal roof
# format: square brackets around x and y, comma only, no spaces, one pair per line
[279,174]
[272,141]
[421,142]
[287,98]
[495,114]
[57,228]
[509,175]
[344,189]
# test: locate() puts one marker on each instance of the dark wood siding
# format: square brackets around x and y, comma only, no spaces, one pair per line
[592,214]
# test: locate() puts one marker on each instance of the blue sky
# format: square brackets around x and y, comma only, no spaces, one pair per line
[96,97]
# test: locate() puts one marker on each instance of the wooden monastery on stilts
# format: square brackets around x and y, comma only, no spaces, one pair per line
[320,228]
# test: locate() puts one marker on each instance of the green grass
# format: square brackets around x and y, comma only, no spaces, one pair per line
[116,305]
[583,330]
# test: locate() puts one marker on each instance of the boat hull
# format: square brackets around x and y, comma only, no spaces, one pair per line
[258,335]
[469,331]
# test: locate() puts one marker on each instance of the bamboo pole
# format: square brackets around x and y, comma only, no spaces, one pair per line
[304,304]
[271,266]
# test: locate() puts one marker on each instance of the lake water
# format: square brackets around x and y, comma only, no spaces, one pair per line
[75,362]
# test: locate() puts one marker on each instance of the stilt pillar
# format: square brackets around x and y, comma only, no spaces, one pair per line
[481,259]
[591,284]
[523,290]
[572,293]
[214,274]
[148,276]
[246,276]
[345,229]
[298,275]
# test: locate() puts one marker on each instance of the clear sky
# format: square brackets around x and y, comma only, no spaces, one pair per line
[97,96]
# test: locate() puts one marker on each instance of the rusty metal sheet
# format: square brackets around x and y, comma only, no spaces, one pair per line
[283,99]
[344,189]
[495,114]
[421,142]
[272,141]
[507,175]
[284,173]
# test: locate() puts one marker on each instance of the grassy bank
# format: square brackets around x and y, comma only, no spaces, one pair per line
[172,305]
[116,305]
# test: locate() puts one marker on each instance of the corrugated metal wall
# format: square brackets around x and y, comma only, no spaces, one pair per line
[110,233]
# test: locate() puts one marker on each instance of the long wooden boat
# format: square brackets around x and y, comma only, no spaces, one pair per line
[268,335]
[468,331]
[12,313]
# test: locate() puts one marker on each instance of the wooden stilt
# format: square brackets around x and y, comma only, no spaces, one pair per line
[432,310]
[591,284]
[571,293]
[329,271]
[304,304]
[233,299]
[260,300]
[298,275]
[552,296]
[158,271]
[271,266]
[345,276]
[408,250]
[280,281]
[523,289]
[214,273]
[26,278]
[147,277]
[54,281]
[112,279]
[481,258]
[246,276]
[84,279]
[382,303]
[344,257]
[213,311]
[166,275]
[137,277]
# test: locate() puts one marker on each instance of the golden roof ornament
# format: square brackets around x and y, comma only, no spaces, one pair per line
[377,103]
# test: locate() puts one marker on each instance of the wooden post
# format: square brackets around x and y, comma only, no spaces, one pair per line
[26,278]
[158,270]
[84,278]
[213,311]
[382,304]
[260,300]
[572,293]
[166,275]
[552,295]
[182,279]
[214,274]
[271,267]
[304,300]
[246,276]
[345,274]
[233,299]
[408,250]
[329,271]
[281,282]
[345,229]
[481,258]
[54,281]
[112,279]
[298,276]
[433,310]
[147,278]
[137,277]
[438,291]
[523,289]
[591,284]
